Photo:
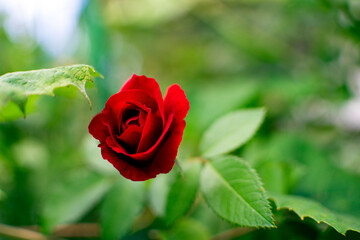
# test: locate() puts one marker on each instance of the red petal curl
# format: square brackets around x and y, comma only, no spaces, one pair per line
[147,85]
[97,129]
[175,104]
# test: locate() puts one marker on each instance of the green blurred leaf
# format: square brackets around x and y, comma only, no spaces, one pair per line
[212,100]
[231,131]
[187,229]
[10,111]
[18,86]
[2,195]
[71,199]
[31,153]
[158,191]
[309,208]
[146,13]
[279,176]
[182,192]
[93,157]
[305,154]
[209,218]
[122,204]
[233,190]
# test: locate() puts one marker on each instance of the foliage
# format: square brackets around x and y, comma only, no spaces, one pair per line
[233,190]
[122,204]
[308,208]
[297,61]
[19,86]
[230,132]
[182,192]
[72,198]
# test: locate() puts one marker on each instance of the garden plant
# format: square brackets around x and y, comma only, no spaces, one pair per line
[201,120]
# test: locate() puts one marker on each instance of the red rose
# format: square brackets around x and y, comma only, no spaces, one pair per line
[139,132]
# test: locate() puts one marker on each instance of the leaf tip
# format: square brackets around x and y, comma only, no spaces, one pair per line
[94,73]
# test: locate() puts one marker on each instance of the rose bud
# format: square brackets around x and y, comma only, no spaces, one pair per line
[139,131]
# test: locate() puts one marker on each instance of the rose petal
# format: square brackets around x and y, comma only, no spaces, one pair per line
[139,132]
[142,117]
[143,110]
[147,85]
[176,105]
[97,128]
[127,170]
[176,102]
[148,154]
[119,101]
[151,132]
[110,122]
[130,138]
[165,158]
[132,121]
[120,124]
[114,145]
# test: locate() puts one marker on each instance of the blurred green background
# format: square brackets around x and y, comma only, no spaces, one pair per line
[297,58]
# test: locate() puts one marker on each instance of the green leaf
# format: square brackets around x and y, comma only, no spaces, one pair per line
[188,229]
[309,208]
[2,195]
[231,131]
[70,200]
[122,204]
[158,192]
[233,190]
[182,192]
[18,86]
[93,158]
[279,176]
[217,99]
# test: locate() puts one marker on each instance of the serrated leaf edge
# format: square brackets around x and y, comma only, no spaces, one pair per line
[302,217]
[81,87]
[272,225]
